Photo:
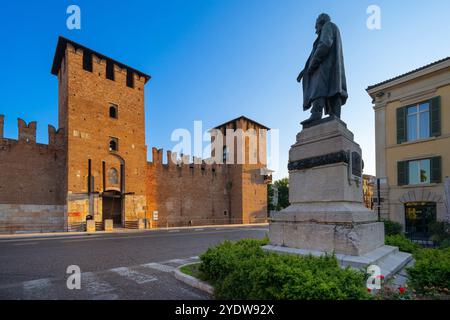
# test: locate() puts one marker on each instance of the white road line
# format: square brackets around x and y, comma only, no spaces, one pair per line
[138,277]
[25,244]
[94,286]
[159,267]
[36,288]
[173,231]
[48,238]
[199,229]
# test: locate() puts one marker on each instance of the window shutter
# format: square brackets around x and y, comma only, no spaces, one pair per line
[401,125]
[435,117]
[436,169]
[402,173]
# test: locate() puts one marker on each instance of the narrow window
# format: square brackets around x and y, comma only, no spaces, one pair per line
[225,154]
[419,172]
[114,144]
[87,60]
[109,70]
[418,122]
[113,111]
[130,79]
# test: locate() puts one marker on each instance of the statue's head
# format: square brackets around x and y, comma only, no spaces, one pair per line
[321,20]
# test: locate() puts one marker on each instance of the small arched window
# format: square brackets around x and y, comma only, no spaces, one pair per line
[114,144]
[113,111]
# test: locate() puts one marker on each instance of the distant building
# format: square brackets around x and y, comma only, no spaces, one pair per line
[368,190]
[95,164]
[412,123]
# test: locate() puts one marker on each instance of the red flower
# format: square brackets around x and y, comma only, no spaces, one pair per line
[369,290]
[402,290]
[381,277]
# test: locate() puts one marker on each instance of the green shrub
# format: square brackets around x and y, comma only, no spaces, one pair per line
[243,270]
[392,228]
[403,243]
[431,271]
[220,261]
[440,231]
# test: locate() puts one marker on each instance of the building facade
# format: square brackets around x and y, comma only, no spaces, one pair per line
[95,165]
[412,133]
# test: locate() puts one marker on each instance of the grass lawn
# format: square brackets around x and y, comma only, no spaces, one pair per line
[193,271]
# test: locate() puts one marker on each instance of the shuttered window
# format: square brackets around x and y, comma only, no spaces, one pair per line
[418,172]
[436,170]
[419,121]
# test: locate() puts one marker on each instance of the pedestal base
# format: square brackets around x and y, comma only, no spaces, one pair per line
[389,259]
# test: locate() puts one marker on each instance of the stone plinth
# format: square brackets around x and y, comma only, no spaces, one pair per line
[90,226]
[327,214]
[109,225]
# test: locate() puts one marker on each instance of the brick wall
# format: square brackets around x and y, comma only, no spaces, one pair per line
[31,172]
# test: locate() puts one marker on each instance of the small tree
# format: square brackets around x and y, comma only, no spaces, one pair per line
[283,194]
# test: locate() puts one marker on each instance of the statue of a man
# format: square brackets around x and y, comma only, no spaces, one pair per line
[324,83]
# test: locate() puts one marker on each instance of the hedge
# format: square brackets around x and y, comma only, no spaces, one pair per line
[403,243]
[431,271]
[243,271]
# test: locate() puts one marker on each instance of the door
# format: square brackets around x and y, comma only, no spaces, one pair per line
[112,206]
[418,217]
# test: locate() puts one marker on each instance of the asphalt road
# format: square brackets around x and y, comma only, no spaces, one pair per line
[113,266]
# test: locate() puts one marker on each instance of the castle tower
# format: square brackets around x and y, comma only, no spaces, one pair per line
[101,111]
[244,152]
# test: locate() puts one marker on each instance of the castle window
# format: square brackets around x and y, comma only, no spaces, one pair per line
[113,111]
[109,70]
[114,144]
[87,60]
[225,154]
[113,176]
[130,79]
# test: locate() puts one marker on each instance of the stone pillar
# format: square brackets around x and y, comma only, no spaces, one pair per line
[90,225]
[2,119]
[325,191]
[109,226]
[327,214]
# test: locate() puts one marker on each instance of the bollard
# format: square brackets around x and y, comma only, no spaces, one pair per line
[109,226]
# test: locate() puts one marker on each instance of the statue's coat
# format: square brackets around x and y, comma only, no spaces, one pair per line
[327,61]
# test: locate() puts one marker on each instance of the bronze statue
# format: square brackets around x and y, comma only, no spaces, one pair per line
[324,83]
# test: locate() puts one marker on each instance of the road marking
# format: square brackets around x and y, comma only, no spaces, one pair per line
[173,231]
[163,235]
[199,229]
[159,267]
[35,288]
[25,244]
[138,277]
[94,286]
[49,238]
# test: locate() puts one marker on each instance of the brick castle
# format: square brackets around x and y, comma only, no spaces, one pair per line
[95,164]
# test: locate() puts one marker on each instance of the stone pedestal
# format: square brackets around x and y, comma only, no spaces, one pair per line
[327,214]
[90,226]
[109,225]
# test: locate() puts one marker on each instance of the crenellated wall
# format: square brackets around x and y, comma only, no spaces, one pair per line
[193,192]
[30,189]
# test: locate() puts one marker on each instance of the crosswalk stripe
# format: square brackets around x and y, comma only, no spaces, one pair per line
[136,276]
[30,288]
[93,285]
[159,267]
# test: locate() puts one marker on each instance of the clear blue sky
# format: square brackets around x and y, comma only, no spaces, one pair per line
[213,60]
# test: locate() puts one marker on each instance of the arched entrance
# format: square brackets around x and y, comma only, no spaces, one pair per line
[112,206]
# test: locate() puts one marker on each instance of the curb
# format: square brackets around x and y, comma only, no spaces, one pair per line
[193,282]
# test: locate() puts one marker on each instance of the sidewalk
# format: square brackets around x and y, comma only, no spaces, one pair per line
[123,230]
